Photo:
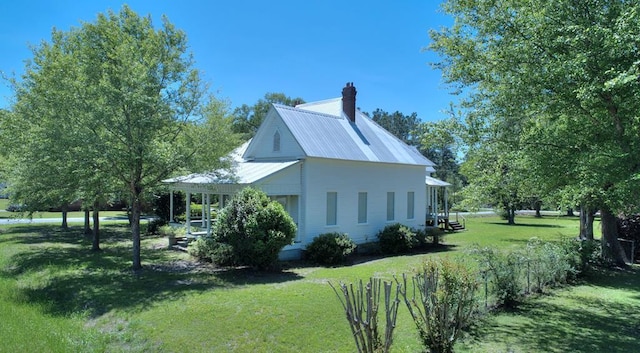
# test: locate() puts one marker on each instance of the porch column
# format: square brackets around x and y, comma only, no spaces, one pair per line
[208,214]
[435,206]
[446,201]
[170,206]
[188,212]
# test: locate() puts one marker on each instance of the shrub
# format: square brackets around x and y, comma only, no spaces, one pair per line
[154,226]
[444,303]
[255,228]
[330,248]
[195,210]
[428,236]
[171,233]
[222,254]
[582,254]
[549,263]
[209,250]
[503,270]
[396,239]
[202,248]
[14,207]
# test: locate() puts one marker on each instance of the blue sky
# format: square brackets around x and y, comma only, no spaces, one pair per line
[306,49]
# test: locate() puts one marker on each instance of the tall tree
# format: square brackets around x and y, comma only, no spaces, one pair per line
[569,66]
[36,138]
[247,119]
[441,142]
[130,94]
[404,127]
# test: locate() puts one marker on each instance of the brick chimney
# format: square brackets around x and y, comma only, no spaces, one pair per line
[349,101]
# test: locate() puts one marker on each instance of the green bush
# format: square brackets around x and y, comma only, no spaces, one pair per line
[503,270]
[209,250]
[255,227]
[202,248]
[167,230]
[397,239]
[549,263]
[441,303]
[154,226]
[222,254]
[428,236]
[582,254]
[330,248]
[195,210]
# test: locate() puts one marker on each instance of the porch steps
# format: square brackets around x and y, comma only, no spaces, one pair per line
[451,225]
[455,226]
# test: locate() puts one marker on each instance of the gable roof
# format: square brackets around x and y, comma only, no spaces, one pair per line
[322,130]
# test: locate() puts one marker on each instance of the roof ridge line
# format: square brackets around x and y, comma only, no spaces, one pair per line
[277,106]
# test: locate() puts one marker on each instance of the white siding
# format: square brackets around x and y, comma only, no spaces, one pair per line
[284,182]
[348,178]
[261,146]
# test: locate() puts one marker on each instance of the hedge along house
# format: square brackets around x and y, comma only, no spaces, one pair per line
[331,167]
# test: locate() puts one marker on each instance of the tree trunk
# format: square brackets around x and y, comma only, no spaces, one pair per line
[538,205]
[611,248]
[586,223]
[511,215]
[87,222]
[136,208]
[570,212]
[64,218]
[96,227]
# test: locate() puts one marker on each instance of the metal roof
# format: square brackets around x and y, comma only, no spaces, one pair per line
[240,173]
[321,133]
[431,181]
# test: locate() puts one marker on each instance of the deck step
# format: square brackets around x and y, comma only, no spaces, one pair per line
[455,226]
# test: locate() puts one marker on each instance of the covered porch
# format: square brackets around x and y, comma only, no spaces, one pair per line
[437,210]
[212,191]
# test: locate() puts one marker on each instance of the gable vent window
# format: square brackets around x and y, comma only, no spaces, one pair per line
[276,142]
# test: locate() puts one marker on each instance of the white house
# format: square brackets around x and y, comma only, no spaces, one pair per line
[331,167]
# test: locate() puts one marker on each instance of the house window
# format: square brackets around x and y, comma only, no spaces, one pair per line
[276,142]
[362,207]
[332,208]
[391,205]
[410,205]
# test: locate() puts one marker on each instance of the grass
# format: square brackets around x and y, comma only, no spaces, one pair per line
[70,299]
[58,215]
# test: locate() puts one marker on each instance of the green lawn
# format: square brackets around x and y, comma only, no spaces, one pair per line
[70,299]
[58,215]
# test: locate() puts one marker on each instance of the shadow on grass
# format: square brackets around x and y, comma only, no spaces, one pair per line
[64,276]
[569,322]
[627,278]
[532,225]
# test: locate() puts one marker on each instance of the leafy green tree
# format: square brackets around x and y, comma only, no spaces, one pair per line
[127,100]
[247,119]
[441,142]
[36,139]
[404,127]
[547,69]
[498,178]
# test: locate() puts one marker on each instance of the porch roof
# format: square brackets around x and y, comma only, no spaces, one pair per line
[431,181]
[240,173]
